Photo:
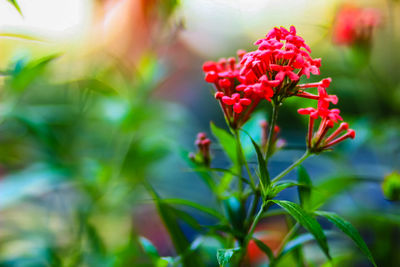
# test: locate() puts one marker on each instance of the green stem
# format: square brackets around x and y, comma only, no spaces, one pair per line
[250,233]
[253,207]
[291,167]
[272,123]
[239,160]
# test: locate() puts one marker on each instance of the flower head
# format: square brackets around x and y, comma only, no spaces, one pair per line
[271,72]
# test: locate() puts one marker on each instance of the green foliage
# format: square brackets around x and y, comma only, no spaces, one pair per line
[224,256]
[226,140]
[304,191]
[307,221]
[25,74]
[349,230]
[235,212]
[265,249]
[262,166]
[391,186]
[15,4]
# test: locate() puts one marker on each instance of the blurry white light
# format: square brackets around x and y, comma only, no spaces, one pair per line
[50,19]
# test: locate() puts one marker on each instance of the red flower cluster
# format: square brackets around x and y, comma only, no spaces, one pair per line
[271,72]
[355,25]
[317,142]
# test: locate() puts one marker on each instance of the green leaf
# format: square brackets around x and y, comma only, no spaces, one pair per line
[349,230]
[194,205]
[262,166]
[284,185]
[226,140]
[224,256]
[175,232]
[149,248]
[265,249]
[307,221]
[28,73]
[236,212]
[15,4]
[187,218]
[304,191]
[20,36]
[94,239]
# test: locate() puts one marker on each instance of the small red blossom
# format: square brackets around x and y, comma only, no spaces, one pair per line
[277,143]
[236,101]
[203,147]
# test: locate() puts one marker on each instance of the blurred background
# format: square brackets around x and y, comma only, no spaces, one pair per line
[100,98]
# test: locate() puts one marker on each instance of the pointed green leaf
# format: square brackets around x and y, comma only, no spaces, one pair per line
[304,191]
[307,221]
[349,230]
[16,6]
[224,256]
[226,140]
[265,249]
[262,165]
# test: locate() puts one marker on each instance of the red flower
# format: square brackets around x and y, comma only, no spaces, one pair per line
[236,101]
[354,25]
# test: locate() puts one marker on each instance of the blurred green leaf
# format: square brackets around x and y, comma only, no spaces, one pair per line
[284,185]
[15,4]
[226,140]
[349,230]
[307,221]
[304,192]
[187,218]
[194,205]
[236,212]
[28,73]
[149,248]
[224,256]
[178,238]
[95,239]
[262,167]
[20,36]
[95,85]
[265,249]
